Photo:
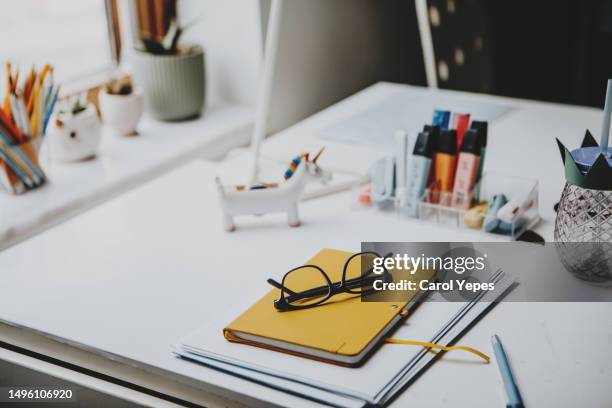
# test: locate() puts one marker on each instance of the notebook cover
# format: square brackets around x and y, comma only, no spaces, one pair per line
[344,325]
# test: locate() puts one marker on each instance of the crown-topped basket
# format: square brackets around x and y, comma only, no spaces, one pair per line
[583,228]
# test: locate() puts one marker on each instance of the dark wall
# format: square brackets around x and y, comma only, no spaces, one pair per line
[552,50]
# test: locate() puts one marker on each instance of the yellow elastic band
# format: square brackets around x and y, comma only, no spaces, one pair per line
[480,354]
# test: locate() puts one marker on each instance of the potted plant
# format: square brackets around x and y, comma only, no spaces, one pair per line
[121,106]
[171,74]
[74,133]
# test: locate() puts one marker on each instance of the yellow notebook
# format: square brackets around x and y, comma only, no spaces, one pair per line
[342,331]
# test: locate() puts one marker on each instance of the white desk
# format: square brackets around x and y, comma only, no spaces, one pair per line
[127,279]
[521,142]
[122,163]
[113,288]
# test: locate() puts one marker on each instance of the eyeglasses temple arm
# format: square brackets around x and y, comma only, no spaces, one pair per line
[279,286]
[321,290]
[296,296]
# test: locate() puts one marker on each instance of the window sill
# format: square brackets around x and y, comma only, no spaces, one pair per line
[88,82]
[122,164]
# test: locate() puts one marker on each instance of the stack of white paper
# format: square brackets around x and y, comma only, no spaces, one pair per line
[387,372]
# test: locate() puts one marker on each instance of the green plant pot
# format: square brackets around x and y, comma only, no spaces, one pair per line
[173,85]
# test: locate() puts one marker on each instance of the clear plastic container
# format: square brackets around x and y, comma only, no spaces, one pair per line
[469,211]
[445,208]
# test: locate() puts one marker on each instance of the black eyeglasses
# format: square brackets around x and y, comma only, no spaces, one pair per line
[309,285]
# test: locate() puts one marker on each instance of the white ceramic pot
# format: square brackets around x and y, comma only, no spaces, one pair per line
[73,138]
[122,112]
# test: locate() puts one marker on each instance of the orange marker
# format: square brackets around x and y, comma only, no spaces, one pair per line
[445,164]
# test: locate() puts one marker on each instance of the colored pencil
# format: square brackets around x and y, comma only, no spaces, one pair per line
[24,115]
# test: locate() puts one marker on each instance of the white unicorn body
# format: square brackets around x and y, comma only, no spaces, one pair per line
[283,197]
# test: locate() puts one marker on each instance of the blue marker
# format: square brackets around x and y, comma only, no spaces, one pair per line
[441,118]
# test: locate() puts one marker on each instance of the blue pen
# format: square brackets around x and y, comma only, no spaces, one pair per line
[514,396]
[441,118]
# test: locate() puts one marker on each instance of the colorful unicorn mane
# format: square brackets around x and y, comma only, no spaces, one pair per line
[294,165]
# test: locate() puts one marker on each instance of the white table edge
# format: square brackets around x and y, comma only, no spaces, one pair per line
[116,367]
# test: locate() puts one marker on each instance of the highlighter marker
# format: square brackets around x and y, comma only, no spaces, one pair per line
[445,164]
[441,118]
[383,182]
[482,129]
[433,129]
[434,134]
[461,122]
[419,171]
[491,222]
[401,160]
[467,168]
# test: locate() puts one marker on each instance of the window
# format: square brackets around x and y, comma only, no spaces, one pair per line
[72,35]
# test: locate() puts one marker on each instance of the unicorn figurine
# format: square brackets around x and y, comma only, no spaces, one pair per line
[265,198]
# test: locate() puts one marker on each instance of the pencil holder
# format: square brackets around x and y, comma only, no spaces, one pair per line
[20,170]
[24,117]
[583,227]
